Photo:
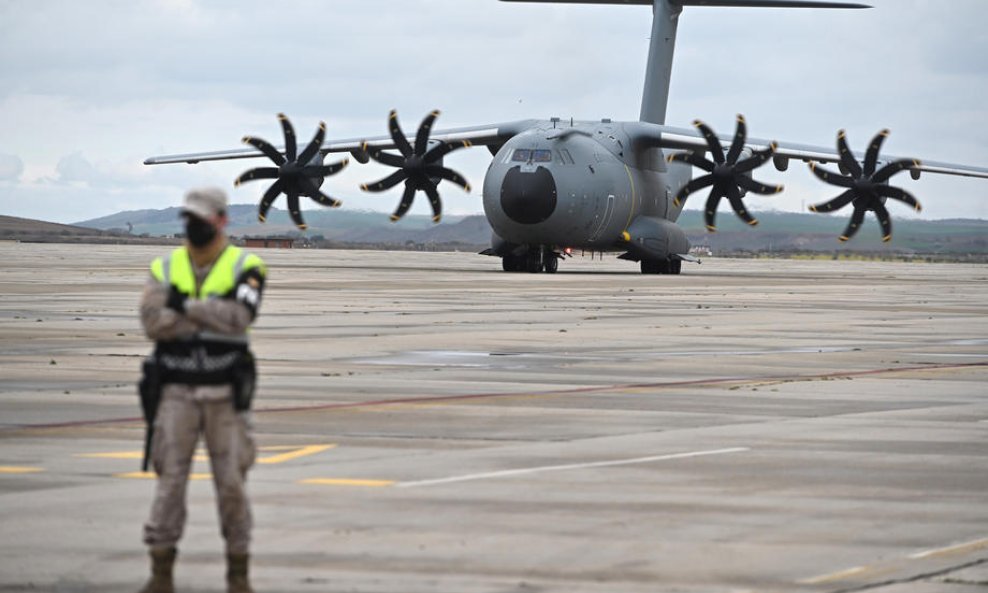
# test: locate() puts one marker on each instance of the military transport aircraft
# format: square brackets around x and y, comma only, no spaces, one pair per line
[557,185]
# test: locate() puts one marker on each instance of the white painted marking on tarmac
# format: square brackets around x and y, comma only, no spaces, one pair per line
[947,354]
[971,546]
[552,468]
[833,576]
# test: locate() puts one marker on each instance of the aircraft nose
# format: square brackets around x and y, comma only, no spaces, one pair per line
[528,197]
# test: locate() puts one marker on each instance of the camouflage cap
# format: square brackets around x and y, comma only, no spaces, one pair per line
[205,202]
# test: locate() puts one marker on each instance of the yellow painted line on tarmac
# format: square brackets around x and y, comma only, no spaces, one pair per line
[347,482]
[19,469]
[113,455]
[292,452]
[152,475]
[834,576]
[199,456]
[295,453]
[972,546]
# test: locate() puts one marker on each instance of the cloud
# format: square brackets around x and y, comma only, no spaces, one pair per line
[74,168]
[11,167]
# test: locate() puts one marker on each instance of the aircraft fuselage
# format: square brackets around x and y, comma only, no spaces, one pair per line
[579,186]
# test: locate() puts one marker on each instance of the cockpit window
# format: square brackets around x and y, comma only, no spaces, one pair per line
[527,155]
[522,155]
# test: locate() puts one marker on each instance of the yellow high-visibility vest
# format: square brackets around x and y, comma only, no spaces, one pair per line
[176,270]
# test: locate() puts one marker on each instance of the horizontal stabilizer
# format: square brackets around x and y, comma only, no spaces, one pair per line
[721,3]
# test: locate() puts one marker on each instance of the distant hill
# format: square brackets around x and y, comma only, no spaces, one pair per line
[782,232]
[335,226]
[13,228]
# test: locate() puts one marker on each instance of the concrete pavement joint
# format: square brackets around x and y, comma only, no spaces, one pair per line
[549,392]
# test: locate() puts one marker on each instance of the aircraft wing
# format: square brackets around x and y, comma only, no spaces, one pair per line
[484,135]
[692,139]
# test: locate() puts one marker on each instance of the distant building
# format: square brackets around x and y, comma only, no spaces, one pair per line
[275,242]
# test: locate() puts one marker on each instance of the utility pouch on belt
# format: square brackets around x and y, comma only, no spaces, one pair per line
[244,382]
[149,388]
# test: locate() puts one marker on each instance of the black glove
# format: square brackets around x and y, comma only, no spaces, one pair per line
[176,300]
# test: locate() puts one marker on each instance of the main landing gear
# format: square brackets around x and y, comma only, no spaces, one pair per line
[540,259]
[661,266]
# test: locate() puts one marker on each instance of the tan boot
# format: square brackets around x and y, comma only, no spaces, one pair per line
[162,562]
[236,573]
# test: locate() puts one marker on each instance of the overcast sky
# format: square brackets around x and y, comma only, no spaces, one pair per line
[88,90]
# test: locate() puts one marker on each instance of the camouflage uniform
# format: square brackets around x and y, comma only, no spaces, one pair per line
[188,409]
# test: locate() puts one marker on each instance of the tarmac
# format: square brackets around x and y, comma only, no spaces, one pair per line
[429,423]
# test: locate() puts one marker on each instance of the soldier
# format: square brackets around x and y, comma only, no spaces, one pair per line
[197,306]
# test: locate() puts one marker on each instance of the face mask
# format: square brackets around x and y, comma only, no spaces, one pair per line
[199,231]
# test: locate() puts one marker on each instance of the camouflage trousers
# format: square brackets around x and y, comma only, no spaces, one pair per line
[185,412]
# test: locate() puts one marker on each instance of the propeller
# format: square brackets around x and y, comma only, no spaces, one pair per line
[727,174]
[419,166]
[297,174]
[865,188]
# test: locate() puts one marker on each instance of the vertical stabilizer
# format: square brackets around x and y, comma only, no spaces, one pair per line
[658,68]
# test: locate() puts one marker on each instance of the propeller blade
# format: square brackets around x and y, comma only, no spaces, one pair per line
[892,168]
[846,156]
[401,142]
[313,147]
[831,177]
[268,199]
[756,186]
[325,170]
[734,197]
[258,173]
[434,201]
[871,157]
[385,158]
[740,135]
[692,158]
[756,160]
[294,211]
[448,175]
[692,186]
[406,202]
[882,214]
[386,183]
[437,152]
[716,150]
[710,210]
[835,204]
[857,217]
[310,189]
[289,132]
[425,128]
[899,194]
[264,146]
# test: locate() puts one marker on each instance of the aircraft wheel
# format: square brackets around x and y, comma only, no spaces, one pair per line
[675,266]
[551,264]
[653,266]
[533,263]
[510,263]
